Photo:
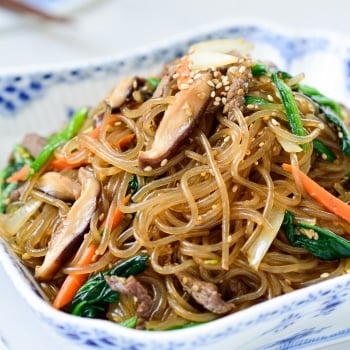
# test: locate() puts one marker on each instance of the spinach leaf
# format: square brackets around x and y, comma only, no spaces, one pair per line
[326,245]
[93,297]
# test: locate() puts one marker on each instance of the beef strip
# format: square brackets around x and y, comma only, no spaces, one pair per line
[131,286]
[240,75]
[205,293]
[34,143]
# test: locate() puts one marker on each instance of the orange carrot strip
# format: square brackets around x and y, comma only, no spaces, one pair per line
[94,133]
[20,175]
[117,215]
[73,282]
[325,198]
[60,164]
[126,140]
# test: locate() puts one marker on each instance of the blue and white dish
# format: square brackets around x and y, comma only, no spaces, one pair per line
[40,99]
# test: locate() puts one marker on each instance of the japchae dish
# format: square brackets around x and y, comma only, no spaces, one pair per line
[183,197]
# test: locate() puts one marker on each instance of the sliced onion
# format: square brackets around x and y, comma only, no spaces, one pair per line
[223,46]
[209,59]
[287,145]
[18,218]
[260,246]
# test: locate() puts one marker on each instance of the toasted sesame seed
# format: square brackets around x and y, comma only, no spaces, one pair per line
[242,69]
[184,86]
[164,162]
[148,168]
[210,83]
[275,122]
[195,288]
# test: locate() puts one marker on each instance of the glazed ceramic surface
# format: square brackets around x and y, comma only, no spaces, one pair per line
[42,100]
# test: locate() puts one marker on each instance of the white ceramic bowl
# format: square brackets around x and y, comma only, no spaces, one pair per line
[41,99]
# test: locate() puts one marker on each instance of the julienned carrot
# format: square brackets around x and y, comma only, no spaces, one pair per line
[117,215]
[95,132]
[20,175]
[73,282]
[123,142]
[330,202]
[60,164]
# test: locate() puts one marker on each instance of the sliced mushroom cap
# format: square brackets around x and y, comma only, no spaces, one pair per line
[178,121]
[69,234]
[59,186]
[120,93]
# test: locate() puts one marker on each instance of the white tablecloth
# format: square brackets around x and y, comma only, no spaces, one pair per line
[104,27]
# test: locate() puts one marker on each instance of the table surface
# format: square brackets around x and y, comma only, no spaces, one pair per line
[105,27]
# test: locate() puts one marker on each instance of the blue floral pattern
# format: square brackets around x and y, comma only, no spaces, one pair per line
[301,320]
[16,91]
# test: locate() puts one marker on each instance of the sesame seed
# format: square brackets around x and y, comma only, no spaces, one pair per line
[195,288]
[324,275]
[269,97]
[261,144]
[164,162]
[234,188]
[226,82]
[273,114]
[224,100]
[176,75]
[227,138]
[210,83]
[240,92]
[216,74]
[217,98]
[216,103]
[229,239]
[197,76]
[184,280]
[324,156]
[340,135]
[184,86]
[242,69]
[218,86]
[212,94]
[275,122]
[250,106]
[134,84]
[148,168]
[227,88]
